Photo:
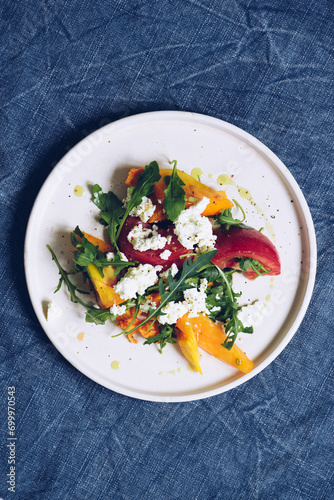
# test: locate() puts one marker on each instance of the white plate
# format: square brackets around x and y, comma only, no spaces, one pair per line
[268,193]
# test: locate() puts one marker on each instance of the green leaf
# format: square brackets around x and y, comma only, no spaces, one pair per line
[145,186]
[88,254]
[98,316]
[166,336]
[64,278]
[226,217]
[112,211]
[247,263]
[229,308]
[93,314]
[174,201]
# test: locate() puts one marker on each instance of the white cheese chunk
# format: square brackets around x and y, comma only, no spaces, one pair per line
[136,281]
[193,303]
[195,300]
[123,257]
[144,238]
[144,210]
[53,311]
[172,312]
[165,254]
[117,310]
[192,228]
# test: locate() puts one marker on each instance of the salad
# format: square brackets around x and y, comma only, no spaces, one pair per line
[164,270]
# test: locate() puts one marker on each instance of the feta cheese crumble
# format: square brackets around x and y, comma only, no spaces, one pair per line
[192,228]
[144,210]
[117,310]
[53,311]
[164,255]
[195,299]
[172,312]
[144,238]
[193,303]
[136,281]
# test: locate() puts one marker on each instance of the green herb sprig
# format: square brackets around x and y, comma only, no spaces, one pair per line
[88,254]
[174,201]
[166,336]
[226,217]
[247,263]
[223,296]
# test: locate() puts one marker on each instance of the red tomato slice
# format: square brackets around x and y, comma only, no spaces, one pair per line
[151,256]
[246,242]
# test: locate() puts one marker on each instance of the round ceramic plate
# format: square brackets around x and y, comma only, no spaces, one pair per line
[225,157]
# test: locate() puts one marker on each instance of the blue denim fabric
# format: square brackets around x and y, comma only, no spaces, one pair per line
[67,68]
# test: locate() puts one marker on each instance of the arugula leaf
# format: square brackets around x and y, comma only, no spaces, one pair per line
[226,217]
[64,278]
[246,263]
[230,308]
[112,211]
[174,285]
[164,337]
[88,254]
[174,201]
[145,186]
[98,316]
[233,327]
[93,314]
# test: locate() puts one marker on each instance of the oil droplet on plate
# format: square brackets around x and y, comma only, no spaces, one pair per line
[80,336]
[196,173]
[78,191]
[115,365]
[225,180]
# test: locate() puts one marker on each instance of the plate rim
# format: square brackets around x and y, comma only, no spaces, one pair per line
[311,237]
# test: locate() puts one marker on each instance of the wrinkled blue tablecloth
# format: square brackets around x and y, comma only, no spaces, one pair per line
[67,68]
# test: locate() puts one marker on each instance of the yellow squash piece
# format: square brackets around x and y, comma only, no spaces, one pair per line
[210,338]
[187,341]
[103,287]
